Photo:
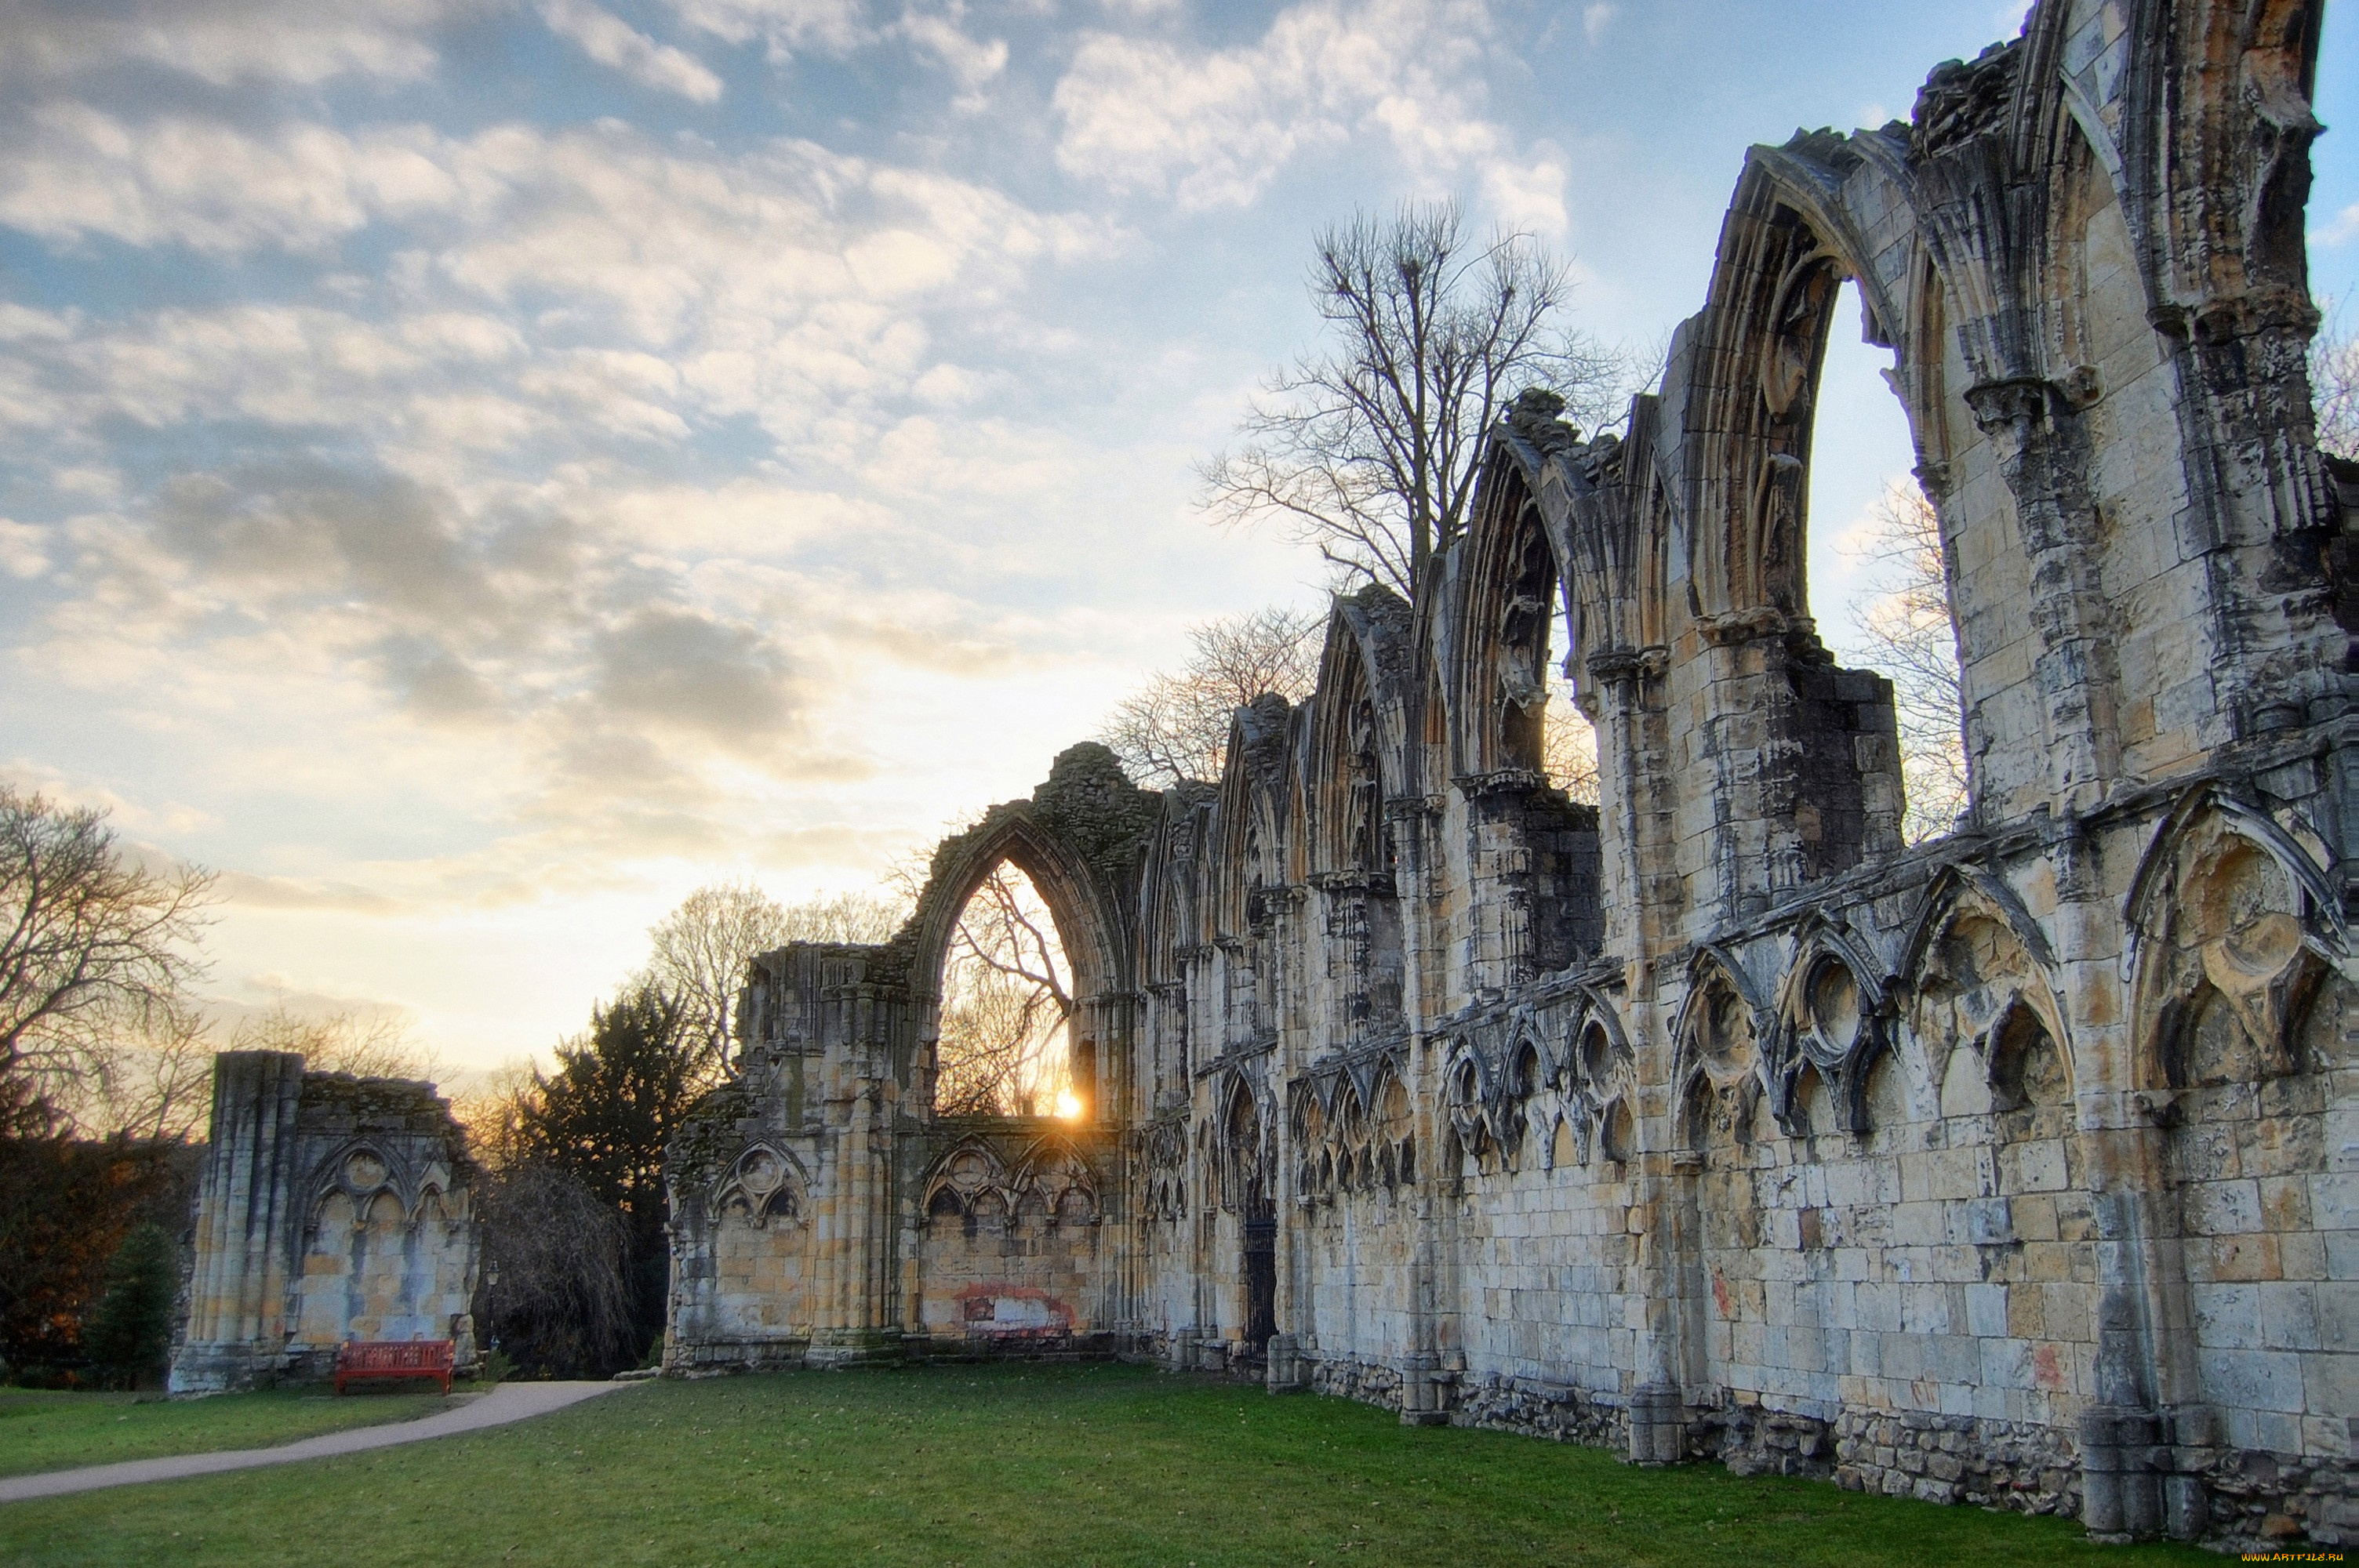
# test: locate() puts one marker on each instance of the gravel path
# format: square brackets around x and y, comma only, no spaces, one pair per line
[507,1402]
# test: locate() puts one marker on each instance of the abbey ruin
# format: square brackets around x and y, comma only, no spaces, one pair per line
[2015,1167]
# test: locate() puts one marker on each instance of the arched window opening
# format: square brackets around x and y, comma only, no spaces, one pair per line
[1567,741]
[1882,599]
[1006,1046]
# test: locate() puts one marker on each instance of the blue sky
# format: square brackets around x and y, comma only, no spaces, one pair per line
[471,472]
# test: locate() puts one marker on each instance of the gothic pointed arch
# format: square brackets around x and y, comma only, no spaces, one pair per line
[1505,596]
[1361,732]
[766,1182]
[1080,839]
[2235,933]
[1251,818]
[1834,1013]
[1975,960]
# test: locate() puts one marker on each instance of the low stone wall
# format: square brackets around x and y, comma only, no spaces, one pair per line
[1353,1378]
[1536,1409]
[1957,1459]
[2262,1502]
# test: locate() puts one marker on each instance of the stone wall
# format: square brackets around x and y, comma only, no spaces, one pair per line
[329,1208]
[2015,1167]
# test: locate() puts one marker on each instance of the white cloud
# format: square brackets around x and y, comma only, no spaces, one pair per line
[615,43]
[972,61]
[226,42]
[1594,20]
[202,184]
[1213,127]
[20,549]
[786,27]
[2340,228]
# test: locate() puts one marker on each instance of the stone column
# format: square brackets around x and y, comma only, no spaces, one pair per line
[2034,427]
[247,1226]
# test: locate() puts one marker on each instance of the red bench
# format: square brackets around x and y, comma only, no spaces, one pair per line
[360,1360]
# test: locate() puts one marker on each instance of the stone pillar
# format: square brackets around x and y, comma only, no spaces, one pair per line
[1670,1289]
[236,1331]
[1287,1372]
[1499,878]
[1424,1399]
[2035,429]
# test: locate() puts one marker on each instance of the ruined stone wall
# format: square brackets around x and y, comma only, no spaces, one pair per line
[329,1208]
[2013,1167]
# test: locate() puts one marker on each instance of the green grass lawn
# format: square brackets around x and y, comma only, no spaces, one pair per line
[56,1430]
[1008,1466]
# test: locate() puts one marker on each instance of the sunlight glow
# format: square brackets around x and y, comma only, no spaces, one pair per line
[1069,1105]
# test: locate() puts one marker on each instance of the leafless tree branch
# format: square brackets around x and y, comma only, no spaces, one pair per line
[1371,448]
[1177,726]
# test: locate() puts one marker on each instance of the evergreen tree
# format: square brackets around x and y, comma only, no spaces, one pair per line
[130,1329]
[606,1115]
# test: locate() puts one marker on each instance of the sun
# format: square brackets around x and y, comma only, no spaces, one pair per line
[1069,1105]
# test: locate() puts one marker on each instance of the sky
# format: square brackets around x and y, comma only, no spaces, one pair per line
[470,472]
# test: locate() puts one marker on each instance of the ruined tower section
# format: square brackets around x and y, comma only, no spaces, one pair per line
[329,1208]
[823,1212]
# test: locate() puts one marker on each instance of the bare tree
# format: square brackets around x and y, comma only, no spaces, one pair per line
[158,1079]
[1910,638]
[2334,385]
[701,948]
[992,1046]
[1569,746]
[1177,726]
[91,941]
[497,1110]
[555,1292]
[1006,1002]
[864,917]
[365,1042]
[1370,447]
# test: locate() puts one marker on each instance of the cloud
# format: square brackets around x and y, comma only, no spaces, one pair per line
[670,668]
[787,27]
[972,61]
[122,812]
[21,555]
[1214,127]
[2342,227]
[1594,18]
[615,43]
[295,892]
[226,42]
[564,289]
[78,172]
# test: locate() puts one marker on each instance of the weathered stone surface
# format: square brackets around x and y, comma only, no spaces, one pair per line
[330,1208]
[2015,1168]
